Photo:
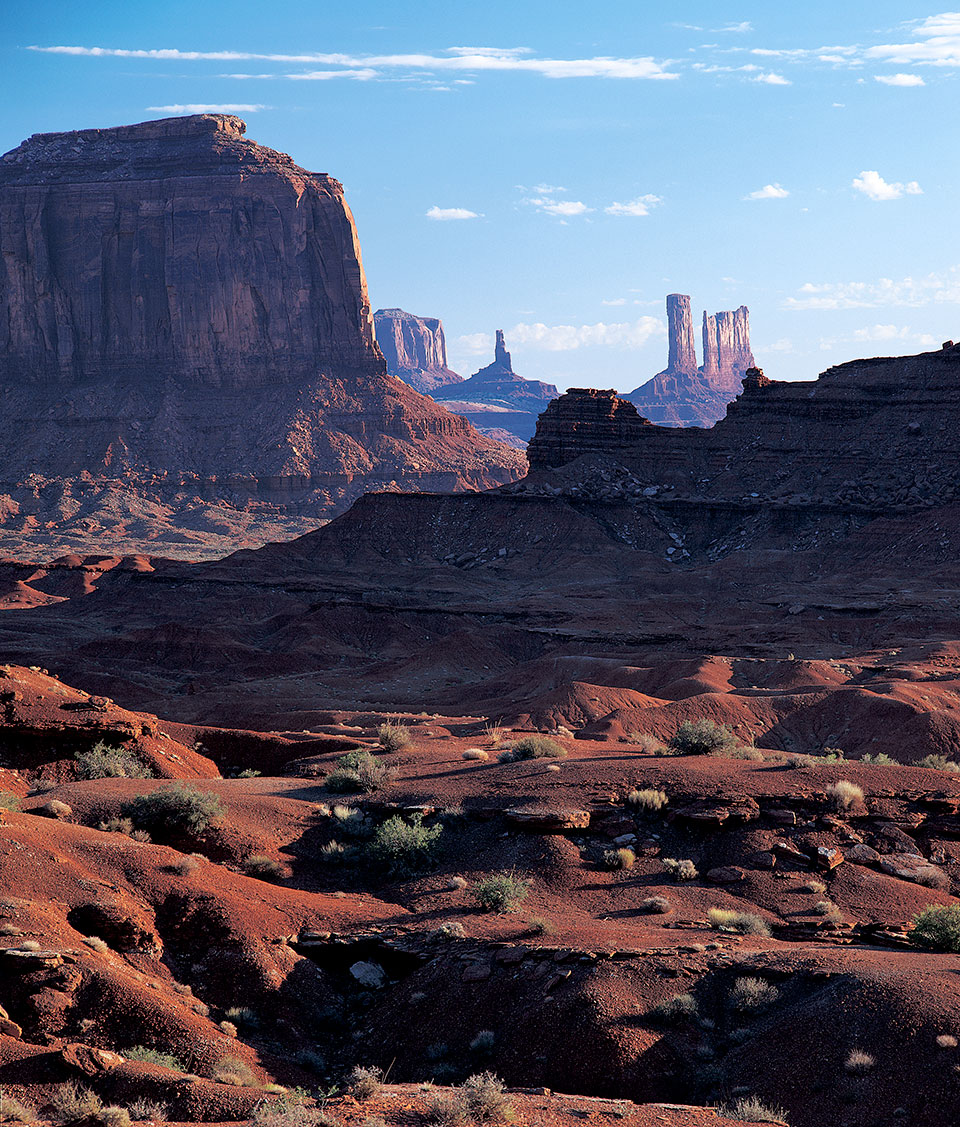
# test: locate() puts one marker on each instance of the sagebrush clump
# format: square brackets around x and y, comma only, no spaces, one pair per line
[680,870]
[649,800]
[533,747]
[753,994]
[403,846]
[501,892]
[619,858]
[177,807]
[359,771]
[393,736]
[744,923]
[937,927]
[702,737]
[844,795]
[104,762]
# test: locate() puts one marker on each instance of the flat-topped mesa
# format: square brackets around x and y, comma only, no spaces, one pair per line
[682,354]
[176,249]
[414,348]
[584,421]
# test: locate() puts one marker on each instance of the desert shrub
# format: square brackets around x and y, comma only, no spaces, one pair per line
[745,923]
[485,1098]
[73,1102]
[476,753]
[404,846]
[16,1111]
[938,763]
[454,929]
[680,870]
[177,807]
[56,809]
[537,747]
[116,826]
[351,821]
[501,892]
[828,910]
[655,905]
[619,858]
[702,737]
[494,733]
[227,1028]
[364,1083]
[938,927]
[800,761]
[749,1109]
[335,852]
[263,868]
[114,1116]
[456,884]
[813,885]
[843,795]
[104,762]
[753,994]
[858,1062]
[744,751]
[359,771]
[185,866]
[946,1041]
[146,1055]
[29,945]
[649,800]
[143,1109]
[230,1070]
[242,1015]
[9,800]
[680,1007]
[95,943]
[392,737]
[537,925]
[880,760]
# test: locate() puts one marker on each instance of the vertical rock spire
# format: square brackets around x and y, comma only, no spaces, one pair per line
[501,356]
[711,363]
[683,352]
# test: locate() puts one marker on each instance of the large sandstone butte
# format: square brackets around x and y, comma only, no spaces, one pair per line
[684,394]
[415,349]
[187,352]
[495,399]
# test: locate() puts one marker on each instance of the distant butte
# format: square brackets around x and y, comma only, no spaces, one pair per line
[684,394]
[415,349]
[187,352]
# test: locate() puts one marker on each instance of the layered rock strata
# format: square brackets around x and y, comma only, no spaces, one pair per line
[683,394]
[185,321]
[415,349]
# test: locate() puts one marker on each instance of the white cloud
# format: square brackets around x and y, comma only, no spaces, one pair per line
[936,43]
[444,213]
[768,192]
[640,206]
[873,185]
[563,208]
[476,344]
[882,332]
[771,79]
[739,28]
[784,344]
[473,59]
[567,338]
[899,79]
[614,301]
[932,289]
[228,107]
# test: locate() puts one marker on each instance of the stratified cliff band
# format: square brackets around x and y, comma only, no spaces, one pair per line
[184,318]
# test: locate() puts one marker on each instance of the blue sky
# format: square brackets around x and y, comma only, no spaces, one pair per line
[555,169]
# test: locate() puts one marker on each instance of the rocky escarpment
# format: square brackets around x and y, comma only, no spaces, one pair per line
[185,322]
[867,436]
[415,349]
[683,394]
[496,398]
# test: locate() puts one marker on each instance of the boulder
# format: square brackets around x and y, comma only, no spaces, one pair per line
[367,974]
[89,1060]
[547,820]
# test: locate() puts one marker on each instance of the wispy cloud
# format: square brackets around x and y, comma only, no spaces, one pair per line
[936,42]
[471,59]
[873,185]
[447,213]
[208,107]
[941,287]
[566,209]
[627,336]
[899,79]
[771,79]
[640,206]
[768,192]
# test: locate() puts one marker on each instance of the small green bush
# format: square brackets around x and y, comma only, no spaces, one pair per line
[501,892]
[537,925]
[16,1111]
[9,800]
[753,994]
[745,923]
[680,1007]
[114,1116]
[104,762]
[702,737]
[117,826]
[485,1098]
[680,870]
[364,1083]
[264,868]
[880,760]
[938,763]
[937,927]
[404,846]
[655,905]
[230,1070]
[393,737]
[749,1109]
[177,807]
[72,1102]
[619,858]
[146,1055]
[359,771]
[536,747]
[844,795]
[150,1110]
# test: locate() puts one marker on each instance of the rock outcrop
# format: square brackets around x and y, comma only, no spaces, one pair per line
[184,322]
[415,349]
[683,394]
[495,397]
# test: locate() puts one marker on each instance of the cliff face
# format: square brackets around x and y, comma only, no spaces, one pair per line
[683,394]
[415,349]
[184,318]
[866,438]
